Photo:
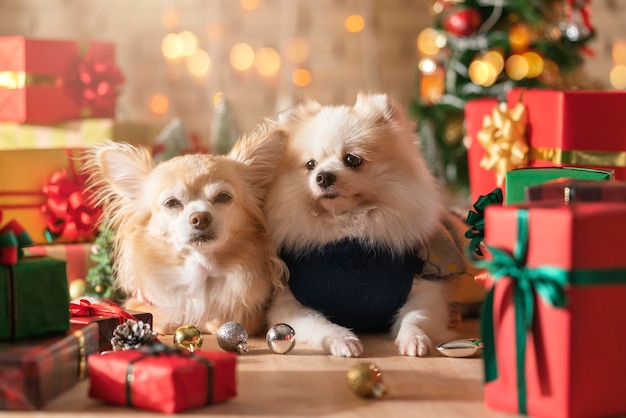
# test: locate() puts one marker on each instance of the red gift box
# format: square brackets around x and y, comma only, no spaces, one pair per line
[163,379]
[33,372]
[48,81]
[553,317]
[481,181]
[108,317]
[576,128]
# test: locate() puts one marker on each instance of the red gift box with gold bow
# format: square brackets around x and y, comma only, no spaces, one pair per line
[544,128]
[161,378]
[48,81]
[44,190]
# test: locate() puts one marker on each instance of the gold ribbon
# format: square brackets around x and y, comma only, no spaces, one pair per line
[579,157]
[20,79]
[503,136]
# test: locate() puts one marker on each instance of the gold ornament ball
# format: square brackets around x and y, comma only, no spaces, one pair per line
[77,288]
[188,337]
[99,289]
[365,379]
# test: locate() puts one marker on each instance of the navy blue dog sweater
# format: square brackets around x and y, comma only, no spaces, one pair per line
[353,285]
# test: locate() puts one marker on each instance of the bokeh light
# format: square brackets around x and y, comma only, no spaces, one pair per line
[354,23]
[296,50]
[427,66]
[189,41]
[535,64]
[430,42]
[482,73]
[241,56]
[494,58]
[199,63]
[550,73]
[618,77]
[217,98]
[519,37]
[267,61]
[249,4]
[619,52]
[158,104]
[172,46]
[301,77]
[516,67]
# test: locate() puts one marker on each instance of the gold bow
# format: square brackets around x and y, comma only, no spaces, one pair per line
[503,135]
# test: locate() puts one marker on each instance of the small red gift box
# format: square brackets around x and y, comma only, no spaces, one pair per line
[163,379]
[552,322]
[570,190]
[33,372]
[108,317]
[48,81]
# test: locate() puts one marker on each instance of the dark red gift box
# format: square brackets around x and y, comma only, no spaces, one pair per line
[163,379]
[570,190]
[108,317]
[33,372]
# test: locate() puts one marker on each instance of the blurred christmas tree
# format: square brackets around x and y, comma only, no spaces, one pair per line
[479,48]
[101,277]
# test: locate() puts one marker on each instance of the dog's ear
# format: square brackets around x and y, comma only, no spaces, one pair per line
[381,104]
[261,151]
[288,118]
[119,168]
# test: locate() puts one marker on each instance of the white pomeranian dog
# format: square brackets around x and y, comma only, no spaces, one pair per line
[359,221]
[191,244]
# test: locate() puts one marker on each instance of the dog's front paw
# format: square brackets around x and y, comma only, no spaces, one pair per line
[414,345]
[344,347]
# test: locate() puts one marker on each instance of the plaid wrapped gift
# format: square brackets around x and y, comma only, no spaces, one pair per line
[162,378]
[33,372]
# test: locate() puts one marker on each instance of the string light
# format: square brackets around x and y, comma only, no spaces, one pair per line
[354,23]
[617,77]
[427,66]
[241,56]
[535,64]
[189,42]
[494,58]
[430,42]
[519,37]
[618,52]
[516,67]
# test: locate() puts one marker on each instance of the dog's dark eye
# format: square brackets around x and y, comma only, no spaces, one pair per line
[223,197]
[310,165]
[172,203]
[352,161]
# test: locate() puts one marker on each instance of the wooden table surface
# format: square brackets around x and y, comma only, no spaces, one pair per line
[307,383]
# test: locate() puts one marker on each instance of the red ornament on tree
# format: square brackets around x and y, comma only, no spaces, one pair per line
[462,22]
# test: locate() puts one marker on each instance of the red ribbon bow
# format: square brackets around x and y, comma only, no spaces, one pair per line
[86,308]
[67,210]
[12,239]
[99,80]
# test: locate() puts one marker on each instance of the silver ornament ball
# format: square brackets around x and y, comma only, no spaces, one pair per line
[232,336]
[281,338]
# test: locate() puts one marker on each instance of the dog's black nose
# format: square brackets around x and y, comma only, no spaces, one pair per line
[325,179]
[200,220]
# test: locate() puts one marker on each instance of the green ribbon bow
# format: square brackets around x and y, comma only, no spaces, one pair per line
[476,219]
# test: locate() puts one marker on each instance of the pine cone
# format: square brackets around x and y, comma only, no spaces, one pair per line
[132,334]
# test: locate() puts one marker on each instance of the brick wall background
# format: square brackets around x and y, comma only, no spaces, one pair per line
[380,58]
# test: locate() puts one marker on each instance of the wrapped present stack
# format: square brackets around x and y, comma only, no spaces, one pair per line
[552,317]
[56,98]
[544,128]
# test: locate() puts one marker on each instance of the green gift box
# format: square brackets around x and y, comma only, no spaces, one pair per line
[518,180]
[34,298]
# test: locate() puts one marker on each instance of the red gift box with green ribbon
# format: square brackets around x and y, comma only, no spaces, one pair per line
[34,296]
[46,81]
[553,318]
[162,378]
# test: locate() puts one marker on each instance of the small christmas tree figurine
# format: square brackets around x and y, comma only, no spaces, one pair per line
[101,278]
[223,130]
